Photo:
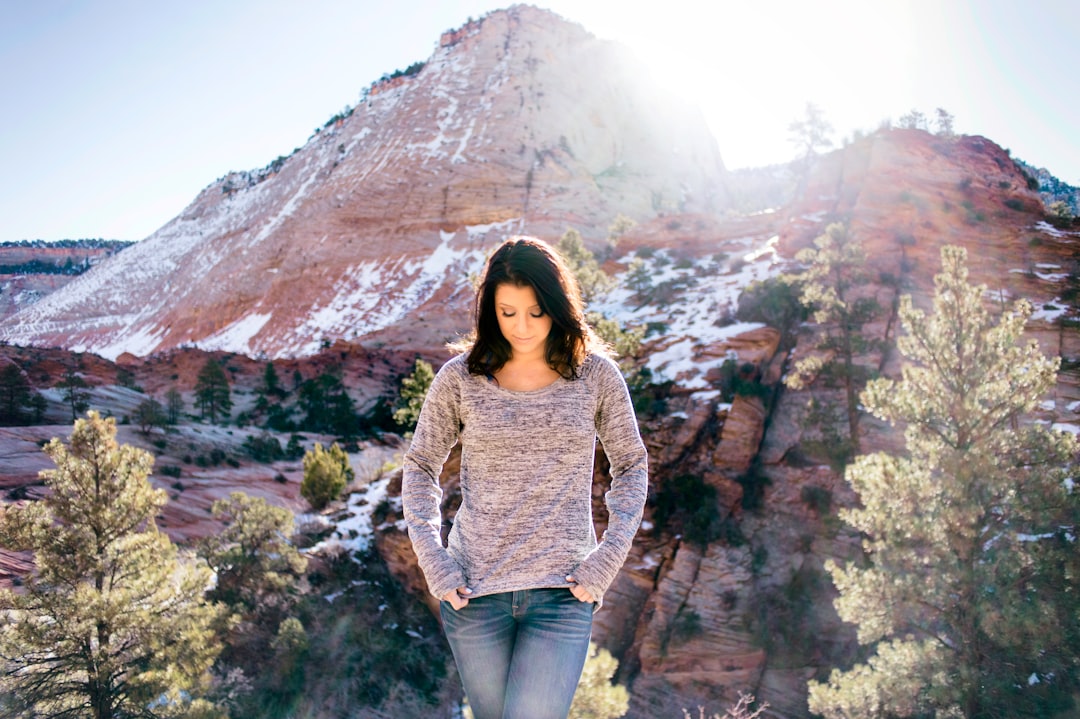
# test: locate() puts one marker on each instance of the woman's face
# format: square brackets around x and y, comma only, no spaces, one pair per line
[522,323]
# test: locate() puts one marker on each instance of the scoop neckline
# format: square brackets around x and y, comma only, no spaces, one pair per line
[491,382]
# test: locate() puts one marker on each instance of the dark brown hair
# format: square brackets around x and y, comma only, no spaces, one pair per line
[531,262]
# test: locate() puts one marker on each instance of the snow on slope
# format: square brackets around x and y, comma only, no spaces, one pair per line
[703,311]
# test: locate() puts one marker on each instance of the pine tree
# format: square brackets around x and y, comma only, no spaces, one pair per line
[149,414]
[268,396]
[257,566]
[112,622]
[969,595]
[414,389]
[259,572]
[212,391]
[618,227]
[592,280]
[15,394]
[327,405]
[271,385]
[944,123]
[174,405]
[809,135]
[75,392]
[639,279]
[836,271]
[914,120]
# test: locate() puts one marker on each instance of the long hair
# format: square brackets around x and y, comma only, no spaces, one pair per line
[531,262]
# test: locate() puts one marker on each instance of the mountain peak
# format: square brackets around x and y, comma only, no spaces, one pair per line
[519,121]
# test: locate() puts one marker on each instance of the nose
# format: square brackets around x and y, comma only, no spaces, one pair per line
[523,323]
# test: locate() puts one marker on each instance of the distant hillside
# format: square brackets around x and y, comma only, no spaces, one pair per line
[1051,189]
[32,269]
[64,257]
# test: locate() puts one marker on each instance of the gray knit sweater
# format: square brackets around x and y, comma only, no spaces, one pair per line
[525,520]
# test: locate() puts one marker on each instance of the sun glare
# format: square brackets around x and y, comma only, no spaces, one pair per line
[753,67]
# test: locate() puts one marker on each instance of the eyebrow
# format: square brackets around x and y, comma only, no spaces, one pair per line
[504,306]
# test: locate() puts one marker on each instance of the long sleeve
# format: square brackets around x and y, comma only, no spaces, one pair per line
[436,433]
[616,426]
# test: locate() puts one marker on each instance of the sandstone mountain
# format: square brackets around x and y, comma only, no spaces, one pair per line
[518,122]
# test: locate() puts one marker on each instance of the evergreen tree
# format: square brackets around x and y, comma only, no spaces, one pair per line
[149,414]
[625,342]
[618,227]
[914,120]
[414,389]
[944,123]
[112,624]
[174,405]
[75,392]
[810,135]
[639,279]
[592,280]
[293,449]
[38,405]
[328,406]
[15,394]
[271,385]
[257,566]
[326,473]
[268,396]
[836,271]
[212,391]
[259,573]
[969,595]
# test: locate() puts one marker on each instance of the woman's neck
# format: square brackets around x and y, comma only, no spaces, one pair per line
[526,373]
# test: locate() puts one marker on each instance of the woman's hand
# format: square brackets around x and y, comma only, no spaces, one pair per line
[579,591]
[458,598]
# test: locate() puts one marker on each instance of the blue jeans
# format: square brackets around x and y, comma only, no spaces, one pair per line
[520,654]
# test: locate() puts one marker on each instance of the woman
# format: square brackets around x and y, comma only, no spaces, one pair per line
[523,572]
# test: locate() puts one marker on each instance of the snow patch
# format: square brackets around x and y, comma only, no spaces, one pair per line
[1046,227]
[355,532]
[698,310]
[1050,311]
[237,336]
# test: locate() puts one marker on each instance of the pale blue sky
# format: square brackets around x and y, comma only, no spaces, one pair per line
[116,113]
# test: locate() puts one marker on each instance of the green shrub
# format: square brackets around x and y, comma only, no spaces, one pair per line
[264,448]
[688,504]
[326,474]
[774,302]
[169,470]
[818,499]
[753,484]
[414,389]
[597,697]
[686,626]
